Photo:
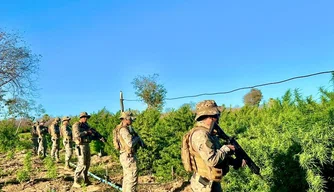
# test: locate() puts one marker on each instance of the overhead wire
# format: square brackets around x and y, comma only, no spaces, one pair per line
[241,88]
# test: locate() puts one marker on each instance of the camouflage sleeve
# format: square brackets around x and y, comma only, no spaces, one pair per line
[127,137]
[202,143]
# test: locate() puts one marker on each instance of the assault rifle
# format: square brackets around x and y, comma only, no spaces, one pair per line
[97,136]
[239,152]
[140,142]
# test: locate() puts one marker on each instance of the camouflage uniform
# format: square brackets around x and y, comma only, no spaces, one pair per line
[66,133]
[208,154]
[81,137]
[55,134]
[34,137]
[128,146]
[42,145]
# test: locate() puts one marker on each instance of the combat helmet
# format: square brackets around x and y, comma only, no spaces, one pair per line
[57,119]
[84,114]
[65,118]
[127,115]
[206,107]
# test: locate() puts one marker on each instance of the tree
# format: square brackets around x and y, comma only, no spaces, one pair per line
[19,107]
[18,74]
[253,98]
[45,118]
[18,66]
[148,89]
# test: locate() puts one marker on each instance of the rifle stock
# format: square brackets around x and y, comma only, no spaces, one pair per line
[239,152]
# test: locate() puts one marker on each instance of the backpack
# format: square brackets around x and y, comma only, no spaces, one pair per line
[185,152]
[115,134]
[186,156]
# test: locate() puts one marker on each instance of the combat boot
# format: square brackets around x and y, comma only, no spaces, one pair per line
[87,182]
[76,185]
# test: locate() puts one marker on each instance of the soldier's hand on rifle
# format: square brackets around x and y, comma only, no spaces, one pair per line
[89,132]
[231,147]
[243,163]
[103,139]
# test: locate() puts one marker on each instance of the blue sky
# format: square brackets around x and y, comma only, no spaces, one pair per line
[93,49]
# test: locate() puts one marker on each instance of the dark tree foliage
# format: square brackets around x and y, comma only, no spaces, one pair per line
[253,98]
[150,91]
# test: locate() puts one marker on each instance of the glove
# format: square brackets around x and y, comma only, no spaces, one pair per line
[89,132]
[226,150]
[103,140]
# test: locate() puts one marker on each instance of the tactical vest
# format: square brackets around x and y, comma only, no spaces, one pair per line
[122,146]
[194,162]
[84,139]
[115,134]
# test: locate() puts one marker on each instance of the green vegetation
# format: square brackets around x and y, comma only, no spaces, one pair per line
[10,155]
[27,163]
[24,174]
[8,138]
[289,138]
[50,167]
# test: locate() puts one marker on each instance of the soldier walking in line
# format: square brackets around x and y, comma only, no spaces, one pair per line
[55,134]
[127,141]
[34,137]
[66,133]
[42,145]
[82,136]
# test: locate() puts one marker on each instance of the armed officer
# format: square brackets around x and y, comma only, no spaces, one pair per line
[55,136]
[34,137]
[209,159]
[128,142]
[66,133]
[82,136]
[42,145]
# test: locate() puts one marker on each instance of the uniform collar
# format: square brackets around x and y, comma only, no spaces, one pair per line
[123,125]
[202,124]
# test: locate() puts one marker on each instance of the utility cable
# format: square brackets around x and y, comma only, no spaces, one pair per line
[241,88]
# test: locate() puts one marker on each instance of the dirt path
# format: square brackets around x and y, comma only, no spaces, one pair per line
[40,180]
